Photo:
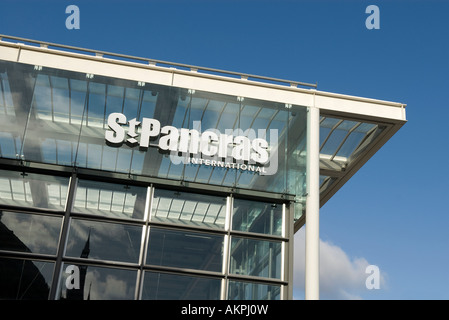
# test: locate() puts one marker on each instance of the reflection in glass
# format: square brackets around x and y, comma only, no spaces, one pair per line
[99,283]
[253,291]
[104,241]
[273,129]
[162,286]
[60,117]
[354,138]
[255,257]
[27,232]
[25,279]
[296,156]
[260,217]
[189,208]
[33,190]
[185,249]
[6,104]
[16,85]
[340,138]
[110,200]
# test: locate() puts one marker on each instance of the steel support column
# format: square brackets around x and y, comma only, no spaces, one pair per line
[312,256]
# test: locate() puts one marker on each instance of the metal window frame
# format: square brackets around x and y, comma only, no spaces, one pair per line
[59,259]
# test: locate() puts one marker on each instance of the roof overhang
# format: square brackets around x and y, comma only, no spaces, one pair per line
[391,115]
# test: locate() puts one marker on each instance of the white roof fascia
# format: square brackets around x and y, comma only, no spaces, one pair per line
[96,65]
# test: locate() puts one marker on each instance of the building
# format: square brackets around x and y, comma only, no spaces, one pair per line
[129,178]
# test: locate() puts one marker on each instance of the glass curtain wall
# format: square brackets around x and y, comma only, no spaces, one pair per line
[55,116]
[136,242]
[61,117]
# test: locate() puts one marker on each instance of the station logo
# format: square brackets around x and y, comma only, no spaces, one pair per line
[234,149]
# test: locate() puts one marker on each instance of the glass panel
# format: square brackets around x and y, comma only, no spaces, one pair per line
[60,117]
[51,135]
[25,279]
[326,126]
[110,200]
[270,175]
[27,232]
[97,283]
[253,291]
[33,190]
[256,257]
[17,83]
[92,151]
[218,114]
[9,144]
[337,136]
[6,104]
[189,208]
[349,145]
[182,249]
[162,286]
[260,217]
[65,115]
[104,241]
[297,157]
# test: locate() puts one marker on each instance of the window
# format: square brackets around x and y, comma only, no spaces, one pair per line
[110,200]
[104,241]
[165,286]
[25,279]
[189,209]
[259,217]
[99,283]
[242,290]
[183,249]
[253,257]
[33,190]
[26,232]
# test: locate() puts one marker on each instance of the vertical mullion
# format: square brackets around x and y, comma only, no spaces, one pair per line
[55,284]
[3,95]
[51,100]
[289,252]
[144,242]
[70,100]
[226,248]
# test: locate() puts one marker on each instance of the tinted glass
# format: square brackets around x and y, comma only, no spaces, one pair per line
[238,290]
[111,200]
[255,257]
[189,208]
[27,232]
[60,117]
[104,241]
[162,286]
[183,249]
[260,217]
[97,283]
[25,279]
[33,190]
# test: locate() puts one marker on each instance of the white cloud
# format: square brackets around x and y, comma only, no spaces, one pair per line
[340,276]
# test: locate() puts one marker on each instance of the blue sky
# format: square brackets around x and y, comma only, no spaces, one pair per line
[393,212]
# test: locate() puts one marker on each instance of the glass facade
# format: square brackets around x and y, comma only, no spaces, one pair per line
[120,241]
[60,117]
[118,189]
